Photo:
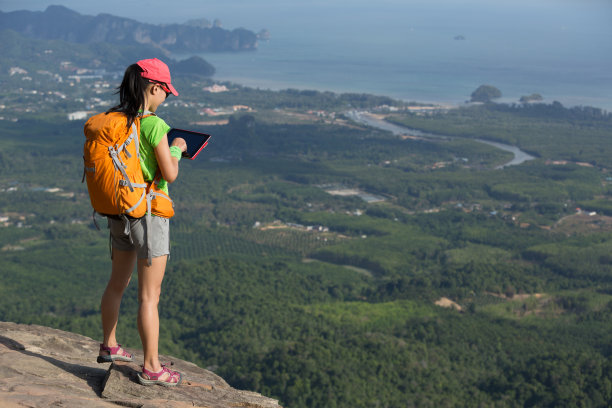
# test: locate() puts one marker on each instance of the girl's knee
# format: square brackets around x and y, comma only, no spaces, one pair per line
[149,297]
[117,287]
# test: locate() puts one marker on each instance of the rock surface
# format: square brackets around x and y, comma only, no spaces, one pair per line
[42,367]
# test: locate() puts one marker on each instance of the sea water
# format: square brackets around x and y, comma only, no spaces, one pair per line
[434,51]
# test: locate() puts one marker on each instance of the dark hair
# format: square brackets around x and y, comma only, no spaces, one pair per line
[131,93]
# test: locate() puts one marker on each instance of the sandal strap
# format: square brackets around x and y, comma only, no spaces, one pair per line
[114,350]
[172,378]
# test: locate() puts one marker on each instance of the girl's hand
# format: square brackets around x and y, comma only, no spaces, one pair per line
[181,143]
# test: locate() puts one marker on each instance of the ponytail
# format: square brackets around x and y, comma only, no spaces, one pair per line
[131,94]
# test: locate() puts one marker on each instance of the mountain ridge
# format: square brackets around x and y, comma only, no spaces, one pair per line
[61,23]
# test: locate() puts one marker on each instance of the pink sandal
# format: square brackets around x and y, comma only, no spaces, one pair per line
[114,355]
[174,377]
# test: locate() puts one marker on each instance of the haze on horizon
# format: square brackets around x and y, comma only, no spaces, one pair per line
[252,14]
[582,26]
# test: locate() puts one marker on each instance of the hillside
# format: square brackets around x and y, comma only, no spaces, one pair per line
[50,57]
[60,23]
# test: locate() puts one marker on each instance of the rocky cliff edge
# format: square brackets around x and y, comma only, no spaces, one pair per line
[43,367]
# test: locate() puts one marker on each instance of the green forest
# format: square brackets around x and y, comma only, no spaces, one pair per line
[461,284]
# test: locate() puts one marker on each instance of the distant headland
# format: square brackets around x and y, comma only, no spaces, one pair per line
[61,23]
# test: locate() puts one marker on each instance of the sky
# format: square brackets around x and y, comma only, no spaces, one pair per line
[257,14]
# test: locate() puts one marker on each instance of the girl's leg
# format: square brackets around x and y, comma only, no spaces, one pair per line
[149,288]
[122,267]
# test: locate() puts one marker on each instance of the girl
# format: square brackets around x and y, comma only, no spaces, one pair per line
[145,86]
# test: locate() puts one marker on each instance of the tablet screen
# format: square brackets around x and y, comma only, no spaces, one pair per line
[196,141]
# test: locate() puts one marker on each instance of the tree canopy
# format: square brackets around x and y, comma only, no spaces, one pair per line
[484,93]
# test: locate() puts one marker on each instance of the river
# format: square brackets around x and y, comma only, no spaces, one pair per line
[373,121]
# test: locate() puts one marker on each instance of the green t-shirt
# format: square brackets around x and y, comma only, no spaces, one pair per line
[152,130]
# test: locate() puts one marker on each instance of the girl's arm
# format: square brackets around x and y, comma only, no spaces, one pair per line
[168,165]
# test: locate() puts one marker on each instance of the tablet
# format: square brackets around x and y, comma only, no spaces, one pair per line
[196,141]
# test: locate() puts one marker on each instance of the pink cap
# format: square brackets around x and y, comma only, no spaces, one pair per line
[156,70]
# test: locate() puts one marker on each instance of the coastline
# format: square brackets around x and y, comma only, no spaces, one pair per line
[260,69]
[447,102]
[280,64]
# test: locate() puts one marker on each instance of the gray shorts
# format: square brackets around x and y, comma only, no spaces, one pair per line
[159,236]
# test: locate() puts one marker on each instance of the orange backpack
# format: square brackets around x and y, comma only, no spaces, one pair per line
[112,169]
[158,202]
[112,166]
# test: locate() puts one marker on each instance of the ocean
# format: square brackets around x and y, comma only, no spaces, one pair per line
[421,52]
[436,51]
